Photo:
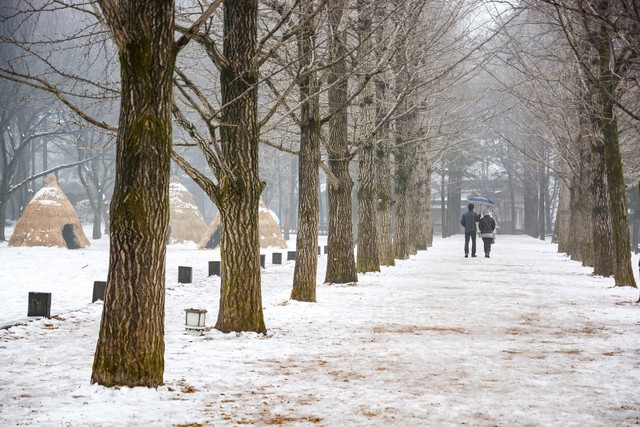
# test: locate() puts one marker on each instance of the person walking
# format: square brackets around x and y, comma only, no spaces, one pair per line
[487,232]
[468,221]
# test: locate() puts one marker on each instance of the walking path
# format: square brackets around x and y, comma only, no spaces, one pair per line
[526,337]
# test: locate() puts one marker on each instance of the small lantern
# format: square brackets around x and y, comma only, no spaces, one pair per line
[194,319]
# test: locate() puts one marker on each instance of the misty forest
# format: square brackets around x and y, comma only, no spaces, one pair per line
[369,122]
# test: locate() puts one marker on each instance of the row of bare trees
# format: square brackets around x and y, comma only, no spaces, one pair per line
[364,73]
[371,93]
[570,71]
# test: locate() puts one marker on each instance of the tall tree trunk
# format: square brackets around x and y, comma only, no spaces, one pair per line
[622,267]
[530,202]
[543,190]
[417,208]
[4,199]
[561,229]
[341,266]
[404,174]
[443,199]
[422,202]
[304,276]
[601,223]
[130,347]
[240,187]
[428,220]
[384,198]
[454,197]
[367,256]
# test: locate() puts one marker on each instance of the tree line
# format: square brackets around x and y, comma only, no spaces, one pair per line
[375,97]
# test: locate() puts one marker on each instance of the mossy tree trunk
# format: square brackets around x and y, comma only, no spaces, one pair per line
[607,86]
[304,276]
[341,266]
[239,184]
[130,347]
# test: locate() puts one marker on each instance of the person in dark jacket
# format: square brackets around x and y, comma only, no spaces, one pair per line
[487,228]
[468,221]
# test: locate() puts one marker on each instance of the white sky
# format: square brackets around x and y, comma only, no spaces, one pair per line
[526,337]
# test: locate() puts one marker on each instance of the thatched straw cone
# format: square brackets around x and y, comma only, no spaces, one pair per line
[49,220]
[270,235]
[186,222]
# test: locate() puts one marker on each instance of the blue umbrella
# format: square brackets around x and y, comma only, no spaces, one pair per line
[481,201]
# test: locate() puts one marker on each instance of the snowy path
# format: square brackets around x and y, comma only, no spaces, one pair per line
[526,337]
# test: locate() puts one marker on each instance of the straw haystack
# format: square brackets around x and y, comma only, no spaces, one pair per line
[270,235]
[186,223]
[49,220]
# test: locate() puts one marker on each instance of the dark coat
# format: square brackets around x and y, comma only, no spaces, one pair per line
[468,221]
[487,224]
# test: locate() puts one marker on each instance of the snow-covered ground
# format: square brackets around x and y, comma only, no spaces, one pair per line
[527,337]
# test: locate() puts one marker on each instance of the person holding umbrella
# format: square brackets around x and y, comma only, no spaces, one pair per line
[487,228]
[468,221]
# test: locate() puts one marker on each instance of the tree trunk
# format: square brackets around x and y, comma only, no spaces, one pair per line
[561,229]
[341,266]
[240,187]
[367,256]
[304,276]
[601,229]
[4,199]
[543,190]
[530,202]
[401,242]
[622,266]
[405,168]
[130,347]
[423,204]
[443,197]
[384,197]
[454,195]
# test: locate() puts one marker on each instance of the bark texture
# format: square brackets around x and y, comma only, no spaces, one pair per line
[341,266]
[384,198]
[130,347]
[304,276]
[240,187]
[367,256]
[622,266]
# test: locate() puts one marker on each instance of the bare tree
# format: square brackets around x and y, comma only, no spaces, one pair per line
[304,278]
[341,267]
[130,347]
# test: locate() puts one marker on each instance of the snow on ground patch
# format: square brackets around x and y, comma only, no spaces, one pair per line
[527,337]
